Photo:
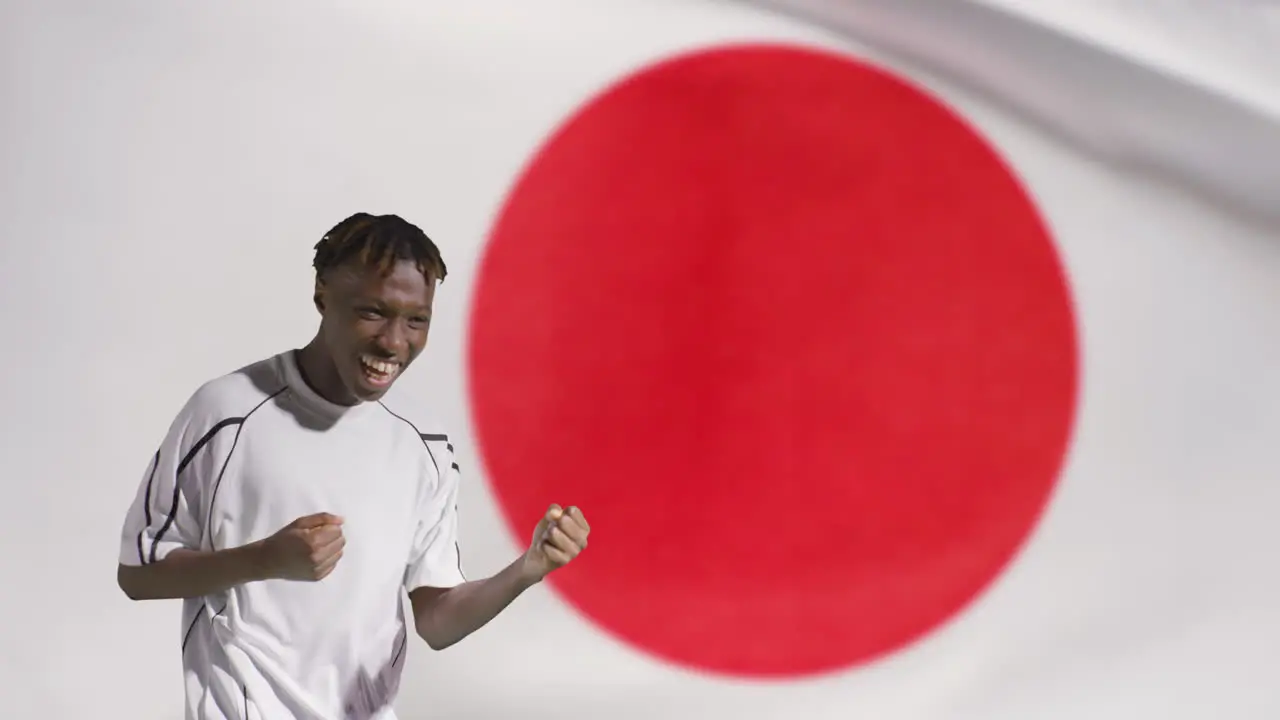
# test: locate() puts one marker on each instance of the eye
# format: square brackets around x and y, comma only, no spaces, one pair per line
[369,313]
[419,321]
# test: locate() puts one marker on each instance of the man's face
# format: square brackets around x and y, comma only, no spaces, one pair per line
[374,325]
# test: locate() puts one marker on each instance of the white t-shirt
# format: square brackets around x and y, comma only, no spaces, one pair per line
[251,452]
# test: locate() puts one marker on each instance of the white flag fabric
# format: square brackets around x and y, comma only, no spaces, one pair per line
[1097,71]
[896,380]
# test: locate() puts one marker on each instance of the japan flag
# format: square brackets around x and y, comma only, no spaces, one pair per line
[883,399]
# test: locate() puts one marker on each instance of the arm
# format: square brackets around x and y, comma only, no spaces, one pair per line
[443,616]
[162,553]
[447,608]
[187,573]
[306,549]
[165,519]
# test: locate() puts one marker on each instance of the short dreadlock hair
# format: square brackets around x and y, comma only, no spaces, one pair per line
[378,241]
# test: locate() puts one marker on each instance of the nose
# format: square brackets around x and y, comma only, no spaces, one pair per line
[394,339]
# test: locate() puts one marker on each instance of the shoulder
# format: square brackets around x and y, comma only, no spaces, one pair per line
[408,418]
[234,396]
[421,430]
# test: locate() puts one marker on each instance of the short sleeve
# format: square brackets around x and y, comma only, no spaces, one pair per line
[165,513]
[435,559]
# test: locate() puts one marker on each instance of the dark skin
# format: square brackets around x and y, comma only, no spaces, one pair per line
[364,312]
[384,316]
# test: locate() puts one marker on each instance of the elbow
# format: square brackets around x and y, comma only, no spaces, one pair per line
[127,579]
[435,639]
[435,642]
[430,622]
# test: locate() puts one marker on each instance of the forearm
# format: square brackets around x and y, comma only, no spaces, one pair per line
[192,573]
[461,610]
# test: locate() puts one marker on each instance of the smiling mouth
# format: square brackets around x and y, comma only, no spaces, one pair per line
[379,372]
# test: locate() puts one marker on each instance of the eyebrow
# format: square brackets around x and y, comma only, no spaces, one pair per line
[383,305]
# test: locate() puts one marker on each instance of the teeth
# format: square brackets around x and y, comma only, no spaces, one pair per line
[381,367]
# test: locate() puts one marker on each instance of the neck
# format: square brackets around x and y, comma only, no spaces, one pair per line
[321,375]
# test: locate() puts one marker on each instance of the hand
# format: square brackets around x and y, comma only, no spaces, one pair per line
[306,549]
[560,536]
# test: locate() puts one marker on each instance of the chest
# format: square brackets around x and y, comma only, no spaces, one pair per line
[280,470]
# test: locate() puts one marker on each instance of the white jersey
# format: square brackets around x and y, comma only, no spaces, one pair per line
[251,452]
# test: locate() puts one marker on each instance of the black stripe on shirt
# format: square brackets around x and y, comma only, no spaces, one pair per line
[195,619]
[235,441]
[425,437]
[236,422]
[146,507]
[404,641]
[177,481]
[200,612]
[428,438]
[432,455]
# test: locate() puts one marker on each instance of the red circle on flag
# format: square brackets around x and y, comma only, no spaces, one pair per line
[797,342]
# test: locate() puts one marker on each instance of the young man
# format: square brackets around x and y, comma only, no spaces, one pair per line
[291,509]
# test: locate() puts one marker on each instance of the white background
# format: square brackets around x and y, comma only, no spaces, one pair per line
[167,168]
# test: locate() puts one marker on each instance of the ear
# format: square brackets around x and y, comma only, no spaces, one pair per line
[318,297]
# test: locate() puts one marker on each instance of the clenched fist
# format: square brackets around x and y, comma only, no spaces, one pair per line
[560,536]
[306,549]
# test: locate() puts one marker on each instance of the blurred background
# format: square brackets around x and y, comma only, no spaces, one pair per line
[913,360]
